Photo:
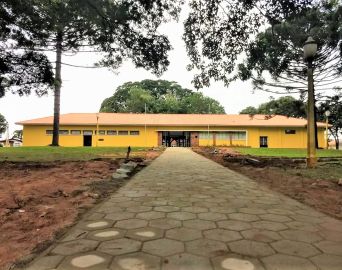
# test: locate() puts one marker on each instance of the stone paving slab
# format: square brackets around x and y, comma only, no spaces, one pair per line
[187,212]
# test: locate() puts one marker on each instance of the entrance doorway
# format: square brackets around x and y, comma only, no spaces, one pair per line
[87,140]
[176,139]
[263,141]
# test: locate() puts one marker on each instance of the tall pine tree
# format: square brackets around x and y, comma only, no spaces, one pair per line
[217,32]
[120,29]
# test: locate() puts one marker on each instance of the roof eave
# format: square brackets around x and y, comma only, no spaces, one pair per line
[164,125]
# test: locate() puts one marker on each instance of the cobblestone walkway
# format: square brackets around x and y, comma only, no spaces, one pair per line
[187,212]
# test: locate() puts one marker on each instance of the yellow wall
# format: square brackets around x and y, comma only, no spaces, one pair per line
[36,136]
[278,139]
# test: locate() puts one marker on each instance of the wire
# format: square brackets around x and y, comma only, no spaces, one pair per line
[77,66]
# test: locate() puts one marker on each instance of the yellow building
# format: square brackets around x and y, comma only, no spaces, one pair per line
[119,129]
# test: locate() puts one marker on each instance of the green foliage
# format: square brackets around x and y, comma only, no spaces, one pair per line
[288,106]
[21,71]
[217,32]
[278,50]
[199,104]
[250,110]
[334,106]
[137,98]
[3,124]
[18,134]
[160,96]
[121,30]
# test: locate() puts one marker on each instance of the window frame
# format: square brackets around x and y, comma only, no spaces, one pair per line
[126,132]
[85,132]
[203,135]
[102,132]
[290,132]
[134,132]
[115,132]
[76,130]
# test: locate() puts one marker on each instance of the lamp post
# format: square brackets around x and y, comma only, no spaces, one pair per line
[310,50]
[327,114]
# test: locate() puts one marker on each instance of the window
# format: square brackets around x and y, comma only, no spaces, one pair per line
[222,136]
[123,132]
[101,132]
[87,132]
[239,136]
[290,131]
[61,132]
[234,135]
[134,132]
[75,132]
[64,132]
[205,136]
[111,132]
[263,141]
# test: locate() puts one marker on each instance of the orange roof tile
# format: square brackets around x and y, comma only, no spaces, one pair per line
[132,119]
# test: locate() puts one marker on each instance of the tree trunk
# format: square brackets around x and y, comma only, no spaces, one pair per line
[336,138]
[57,92]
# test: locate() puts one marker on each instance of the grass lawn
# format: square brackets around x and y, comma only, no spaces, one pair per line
[277,152]
[64,153]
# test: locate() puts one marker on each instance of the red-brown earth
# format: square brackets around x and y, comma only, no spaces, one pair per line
[38,201]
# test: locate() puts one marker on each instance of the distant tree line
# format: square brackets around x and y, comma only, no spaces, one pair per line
[159,96]
[288,106]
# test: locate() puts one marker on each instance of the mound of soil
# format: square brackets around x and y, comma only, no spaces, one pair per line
[37,200]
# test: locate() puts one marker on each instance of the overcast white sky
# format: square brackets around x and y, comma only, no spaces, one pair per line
[84,89]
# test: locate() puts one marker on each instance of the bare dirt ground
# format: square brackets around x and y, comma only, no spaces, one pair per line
[319,190]
[38,200]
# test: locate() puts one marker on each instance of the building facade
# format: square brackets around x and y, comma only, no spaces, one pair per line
[180,130]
